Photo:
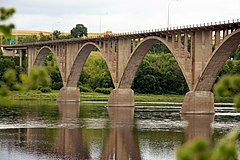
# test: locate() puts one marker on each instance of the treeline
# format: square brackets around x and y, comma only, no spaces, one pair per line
[78,31]
[159,73]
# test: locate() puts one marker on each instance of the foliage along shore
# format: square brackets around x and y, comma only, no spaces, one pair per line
[94,96]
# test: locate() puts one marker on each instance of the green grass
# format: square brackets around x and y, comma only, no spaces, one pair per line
[158,98]
[32,95]
[223,99]
[93,96]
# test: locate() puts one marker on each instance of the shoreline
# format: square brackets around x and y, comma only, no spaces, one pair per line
[94,96]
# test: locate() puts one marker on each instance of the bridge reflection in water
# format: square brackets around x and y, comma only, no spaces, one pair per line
[69,142]
[69,138]
[198,126]
[122,143]
[119,142]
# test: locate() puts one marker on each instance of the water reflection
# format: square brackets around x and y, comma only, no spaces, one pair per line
[198,126]
[66,140]
[91,131]
[121,143]
[69,140]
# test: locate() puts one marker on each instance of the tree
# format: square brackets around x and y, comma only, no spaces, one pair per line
[27,39]
[79,31]
[160,74]
[237,53]
[38,78]
[4,15]
[10,78]
[5,64]
[56,34]
[44,37]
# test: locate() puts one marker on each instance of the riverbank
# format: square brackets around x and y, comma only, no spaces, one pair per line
[93,96]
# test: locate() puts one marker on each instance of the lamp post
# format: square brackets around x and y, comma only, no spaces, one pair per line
[168,12]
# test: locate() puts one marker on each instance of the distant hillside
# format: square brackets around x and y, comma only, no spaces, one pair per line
[33,32]
[27,32]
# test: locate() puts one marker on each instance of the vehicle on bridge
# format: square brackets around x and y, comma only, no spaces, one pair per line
[107,33]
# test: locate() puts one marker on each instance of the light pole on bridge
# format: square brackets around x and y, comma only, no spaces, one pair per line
[168,12]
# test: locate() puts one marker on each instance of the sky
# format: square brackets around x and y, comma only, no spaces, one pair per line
[117,15]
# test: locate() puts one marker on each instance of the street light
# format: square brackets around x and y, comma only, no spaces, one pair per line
[168,12]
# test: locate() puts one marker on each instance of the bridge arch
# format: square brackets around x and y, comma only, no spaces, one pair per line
[79,62]
[136,59]
[42,55]
[217,60]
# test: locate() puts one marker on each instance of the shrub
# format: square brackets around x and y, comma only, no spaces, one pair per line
[4,91]
[103,90]
[199,149]
[45,89]
[38,78]
[85,89]
[10,78]
[56,85]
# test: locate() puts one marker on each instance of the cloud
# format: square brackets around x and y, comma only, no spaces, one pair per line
[118,15]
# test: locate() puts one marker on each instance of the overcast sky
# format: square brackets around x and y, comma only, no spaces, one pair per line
[118,15]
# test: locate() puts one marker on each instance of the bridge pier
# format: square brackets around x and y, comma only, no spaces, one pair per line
[69,94]
[198,102]
[121,97]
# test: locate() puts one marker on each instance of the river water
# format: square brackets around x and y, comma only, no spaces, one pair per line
[92,131]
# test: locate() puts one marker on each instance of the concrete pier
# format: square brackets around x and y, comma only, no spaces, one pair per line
[198,102]
[121,98]
[69,94]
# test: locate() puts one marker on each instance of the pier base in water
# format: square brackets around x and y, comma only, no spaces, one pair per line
[121,97]
[69,94]
[198,102]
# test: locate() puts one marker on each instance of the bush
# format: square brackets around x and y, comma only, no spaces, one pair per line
[4,91]
[38,78]
[225,149]
[45,89]
[85,89]
[103,90]
[10,78]
[56,85]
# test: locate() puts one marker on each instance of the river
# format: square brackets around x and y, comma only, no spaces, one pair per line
[92,131]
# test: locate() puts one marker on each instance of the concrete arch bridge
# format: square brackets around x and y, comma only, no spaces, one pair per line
[200,63]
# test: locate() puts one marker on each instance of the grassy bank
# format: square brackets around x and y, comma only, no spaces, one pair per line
[93,96]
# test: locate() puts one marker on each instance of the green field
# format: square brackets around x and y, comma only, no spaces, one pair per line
[93,96]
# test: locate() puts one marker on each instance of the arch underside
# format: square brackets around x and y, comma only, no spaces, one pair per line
[216,62]
[79,62]
[137,57]
[42,55]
